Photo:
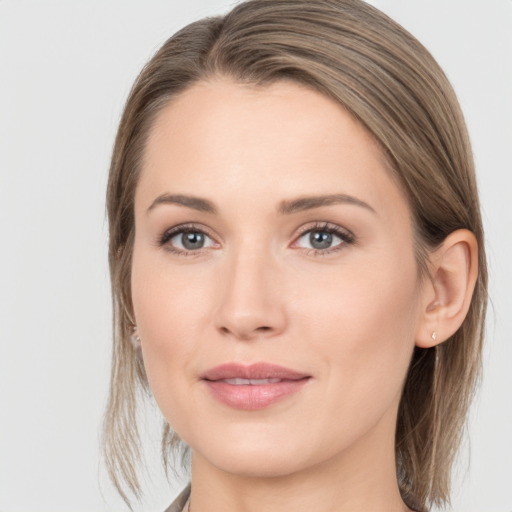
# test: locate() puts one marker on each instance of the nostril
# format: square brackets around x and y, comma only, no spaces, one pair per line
[244,332]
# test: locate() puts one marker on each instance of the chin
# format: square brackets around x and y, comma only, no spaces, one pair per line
[255,463]
[260,455]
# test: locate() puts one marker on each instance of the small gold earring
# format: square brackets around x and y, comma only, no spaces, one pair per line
[434,335]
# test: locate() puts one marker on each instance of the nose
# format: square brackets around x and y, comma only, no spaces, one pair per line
[252,303]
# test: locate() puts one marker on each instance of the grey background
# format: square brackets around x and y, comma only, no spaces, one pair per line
[65,71]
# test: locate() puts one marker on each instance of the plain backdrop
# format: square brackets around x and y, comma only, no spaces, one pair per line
[65,70]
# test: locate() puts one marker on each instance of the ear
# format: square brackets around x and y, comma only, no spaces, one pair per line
[446,296]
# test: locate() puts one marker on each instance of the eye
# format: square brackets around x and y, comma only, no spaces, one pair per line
[190,241]
[324,238]
[183,239]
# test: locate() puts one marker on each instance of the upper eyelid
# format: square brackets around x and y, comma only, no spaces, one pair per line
[183,228]
[303,229]
[322,225]
[326,226]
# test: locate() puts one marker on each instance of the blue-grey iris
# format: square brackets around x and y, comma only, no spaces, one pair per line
[320,239]
[192,240]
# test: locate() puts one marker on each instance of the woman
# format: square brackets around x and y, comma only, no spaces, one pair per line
[297,255]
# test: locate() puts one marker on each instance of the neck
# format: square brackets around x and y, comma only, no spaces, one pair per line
[361,478]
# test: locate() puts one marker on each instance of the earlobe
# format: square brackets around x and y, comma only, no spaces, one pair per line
[447,296]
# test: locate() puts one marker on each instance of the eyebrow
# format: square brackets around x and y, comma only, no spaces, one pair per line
[310,202]
[196,203]
[285,208]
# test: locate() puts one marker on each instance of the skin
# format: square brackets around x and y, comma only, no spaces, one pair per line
[348,316]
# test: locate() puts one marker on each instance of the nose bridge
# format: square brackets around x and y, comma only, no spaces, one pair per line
[249,305]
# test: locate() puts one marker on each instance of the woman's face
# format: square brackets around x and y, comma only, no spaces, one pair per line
[274,281]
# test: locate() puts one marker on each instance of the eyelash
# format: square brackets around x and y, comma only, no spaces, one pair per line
[346,237]
[182,229]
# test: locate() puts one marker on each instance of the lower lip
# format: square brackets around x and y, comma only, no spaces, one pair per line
[252,398]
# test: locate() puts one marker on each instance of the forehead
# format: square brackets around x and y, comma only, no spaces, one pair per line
[223,138]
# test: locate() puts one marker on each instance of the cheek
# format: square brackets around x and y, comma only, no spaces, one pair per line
[364,322]
[167,298]
[166,308]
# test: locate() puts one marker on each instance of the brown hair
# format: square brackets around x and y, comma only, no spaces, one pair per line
[385,78]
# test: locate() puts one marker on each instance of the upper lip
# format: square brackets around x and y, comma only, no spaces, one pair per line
[252,371]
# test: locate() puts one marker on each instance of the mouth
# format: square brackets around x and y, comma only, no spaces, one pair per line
[252,387]
[250,382]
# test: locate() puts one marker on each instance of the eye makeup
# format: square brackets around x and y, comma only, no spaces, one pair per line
[323,234]
[317,239]
[193,238]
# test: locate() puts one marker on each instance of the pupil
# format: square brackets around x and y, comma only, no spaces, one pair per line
[320,239]
[192,240]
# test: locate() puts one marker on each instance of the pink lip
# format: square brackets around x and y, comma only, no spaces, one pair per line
[252,396]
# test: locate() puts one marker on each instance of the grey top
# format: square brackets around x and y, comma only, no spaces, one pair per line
[179,504]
